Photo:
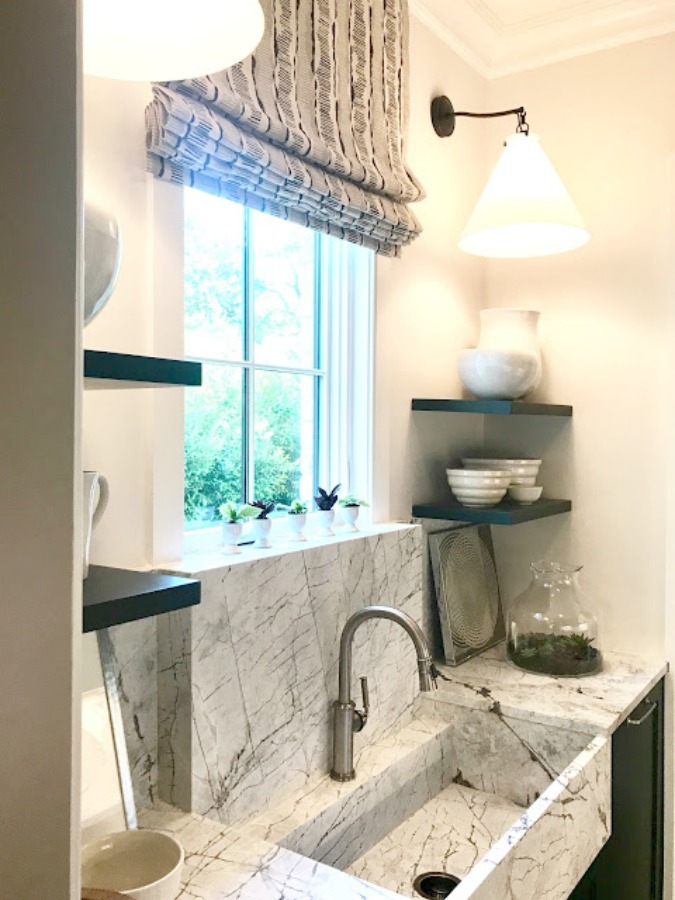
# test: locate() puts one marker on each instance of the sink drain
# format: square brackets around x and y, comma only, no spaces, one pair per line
[435,885]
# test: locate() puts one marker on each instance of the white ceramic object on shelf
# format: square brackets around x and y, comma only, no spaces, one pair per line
[506,364]
[296,525]
[525,494]
[478,487]
[145,865]
[231,535]
[325,518]
[261,532]
[523,471]
[350,515]
[102,254]
[479,496]
[95,496]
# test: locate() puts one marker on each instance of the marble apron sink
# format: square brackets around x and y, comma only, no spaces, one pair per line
[511,807]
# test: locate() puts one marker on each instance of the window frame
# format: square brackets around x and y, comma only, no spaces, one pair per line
[344,299]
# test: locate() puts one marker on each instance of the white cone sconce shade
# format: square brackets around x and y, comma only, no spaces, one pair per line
[525,209]
[166,40]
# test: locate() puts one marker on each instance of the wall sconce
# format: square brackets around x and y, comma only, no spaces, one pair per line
[167,40]
[524,209]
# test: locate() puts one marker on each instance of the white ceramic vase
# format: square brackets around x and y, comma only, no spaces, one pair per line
[506,364]
[231,535]
[261,530]
[326,517]
[350,514]
[296,524]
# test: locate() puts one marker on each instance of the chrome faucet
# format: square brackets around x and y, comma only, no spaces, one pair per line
[347,719]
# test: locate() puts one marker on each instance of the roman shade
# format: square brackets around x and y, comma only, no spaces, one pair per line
[309,128]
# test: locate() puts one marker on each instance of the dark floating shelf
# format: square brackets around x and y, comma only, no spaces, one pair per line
[505,513]
[493,407]
[103,371]
[114,596]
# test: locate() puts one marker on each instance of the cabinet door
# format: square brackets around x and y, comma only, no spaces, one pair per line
[630,865]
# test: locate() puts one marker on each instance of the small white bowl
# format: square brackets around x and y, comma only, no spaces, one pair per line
[145,865]
[525,494]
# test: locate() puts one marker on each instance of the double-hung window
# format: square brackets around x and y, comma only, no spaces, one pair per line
[275,313]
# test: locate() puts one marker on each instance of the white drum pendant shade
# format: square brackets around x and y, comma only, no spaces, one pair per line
[167,40]
[524,209]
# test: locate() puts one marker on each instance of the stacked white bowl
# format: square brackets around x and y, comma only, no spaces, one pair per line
[522,487]
[479,487]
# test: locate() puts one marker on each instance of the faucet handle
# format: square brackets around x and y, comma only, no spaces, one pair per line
[361,715]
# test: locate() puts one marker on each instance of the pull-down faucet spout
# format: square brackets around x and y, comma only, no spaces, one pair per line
[346,718]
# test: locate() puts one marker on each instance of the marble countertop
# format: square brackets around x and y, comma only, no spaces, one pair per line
[240,864]
[596,704]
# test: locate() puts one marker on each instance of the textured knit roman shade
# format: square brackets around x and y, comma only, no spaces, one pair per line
[309,128]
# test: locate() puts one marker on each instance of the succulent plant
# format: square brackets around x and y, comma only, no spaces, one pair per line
[262,508]
[297,507]
[352,500]
[327,500]
[233,512]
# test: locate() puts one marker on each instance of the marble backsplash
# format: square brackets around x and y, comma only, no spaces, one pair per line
[228,704]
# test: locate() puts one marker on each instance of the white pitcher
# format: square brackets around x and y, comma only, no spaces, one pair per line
[95,495]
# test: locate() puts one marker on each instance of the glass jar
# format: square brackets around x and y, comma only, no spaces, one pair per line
[549,630]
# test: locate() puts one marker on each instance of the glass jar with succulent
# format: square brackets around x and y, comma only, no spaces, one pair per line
[350,505]
[297,519]
[325,503]
[261,524]
[233,516]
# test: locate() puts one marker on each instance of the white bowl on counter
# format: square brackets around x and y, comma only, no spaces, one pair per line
[523,471]
[144,865]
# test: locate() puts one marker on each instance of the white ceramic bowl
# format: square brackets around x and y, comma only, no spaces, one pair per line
[499,374]
[478,478]
[145,865]
[525,494]
[479,496]
[523,471]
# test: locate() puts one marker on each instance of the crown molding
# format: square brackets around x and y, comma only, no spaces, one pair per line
[494,47]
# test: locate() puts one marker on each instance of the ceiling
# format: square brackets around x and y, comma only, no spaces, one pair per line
[497,37]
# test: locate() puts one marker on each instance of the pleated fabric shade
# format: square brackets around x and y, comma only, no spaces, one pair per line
[310,127]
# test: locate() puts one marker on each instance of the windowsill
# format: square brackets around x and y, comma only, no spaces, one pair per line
[215,557]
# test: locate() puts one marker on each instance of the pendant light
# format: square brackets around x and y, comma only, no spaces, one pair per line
[524,209]
[167,40]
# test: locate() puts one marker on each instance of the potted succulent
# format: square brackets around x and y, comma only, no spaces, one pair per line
[351,505]
[233,516]
[325,502]
[297,518]
[261,524]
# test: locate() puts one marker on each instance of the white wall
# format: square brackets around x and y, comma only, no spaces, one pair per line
[40,364]
[428,300]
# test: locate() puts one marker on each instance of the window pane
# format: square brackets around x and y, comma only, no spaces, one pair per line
[284,436]
[214,277]
[213,444]
[283,291]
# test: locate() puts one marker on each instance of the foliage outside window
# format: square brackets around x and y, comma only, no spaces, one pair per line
[254,310]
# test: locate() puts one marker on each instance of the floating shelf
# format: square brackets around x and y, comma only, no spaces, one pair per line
[114,596]
[103,371]
[493,407]
[505,513]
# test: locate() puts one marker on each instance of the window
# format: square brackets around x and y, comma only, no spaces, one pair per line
[271,313]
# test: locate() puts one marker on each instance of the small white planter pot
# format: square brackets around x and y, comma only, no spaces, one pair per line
[261,531]
[326,517]
[296,524]
[350,514]
[231,535]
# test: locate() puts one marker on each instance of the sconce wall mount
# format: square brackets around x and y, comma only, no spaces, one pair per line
[525,209]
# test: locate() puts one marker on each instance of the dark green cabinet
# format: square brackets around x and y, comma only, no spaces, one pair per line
[630,865]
